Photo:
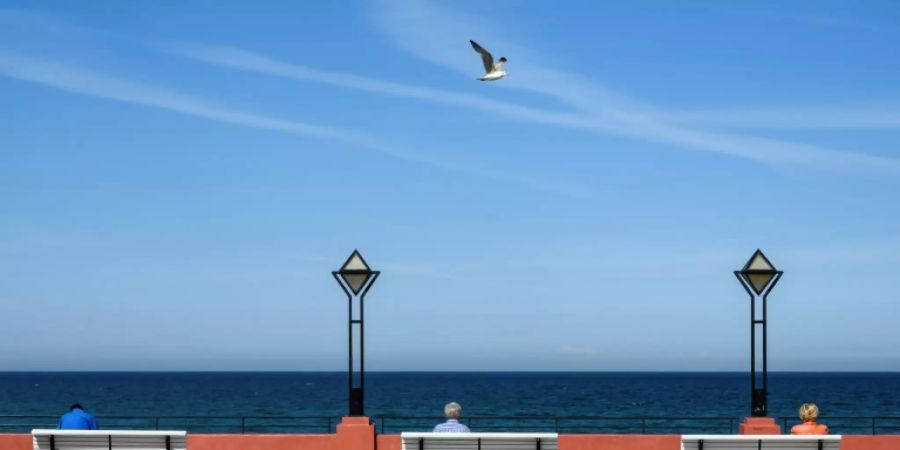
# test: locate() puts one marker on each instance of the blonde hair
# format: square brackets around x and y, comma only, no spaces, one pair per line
[809,412]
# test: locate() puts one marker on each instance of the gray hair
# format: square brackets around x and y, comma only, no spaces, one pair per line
[452,410]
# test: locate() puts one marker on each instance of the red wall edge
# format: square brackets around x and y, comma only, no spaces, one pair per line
[15,442]
[870,442]
[619,442]
[259,442]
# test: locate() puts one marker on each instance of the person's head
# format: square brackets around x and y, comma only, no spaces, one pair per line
[809,412]
[452,410]
[75,406]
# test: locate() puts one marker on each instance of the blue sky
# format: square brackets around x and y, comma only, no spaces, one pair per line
[177,180]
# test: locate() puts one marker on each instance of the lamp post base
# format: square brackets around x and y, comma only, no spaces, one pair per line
[759,425]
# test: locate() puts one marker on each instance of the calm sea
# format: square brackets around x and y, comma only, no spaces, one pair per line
[322,396]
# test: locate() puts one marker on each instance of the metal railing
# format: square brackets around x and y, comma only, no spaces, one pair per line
[568,424]
[196,424]
[395,424]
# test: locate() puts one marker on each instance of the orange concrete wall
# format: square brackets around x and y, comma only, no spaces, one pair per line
[389,442]
[392,442]
[15,442]
[870,442]
[355,433]
[619,442]
[256,442]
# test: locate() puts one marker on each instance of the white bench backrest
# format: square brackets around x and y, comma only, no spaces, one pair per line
[479,441]
[100,439]
[752,442]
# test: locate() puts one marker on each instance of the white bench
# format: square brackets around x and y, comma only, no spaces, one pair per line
[479,441]
[760,442]
[108,440]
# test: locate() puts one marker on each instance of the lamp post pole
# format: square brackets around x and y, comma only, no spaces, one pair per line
[356,278]
[758,277]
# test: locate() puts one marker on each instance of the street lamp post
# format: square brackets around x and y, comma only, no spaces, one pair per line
[355,278]
[758,277]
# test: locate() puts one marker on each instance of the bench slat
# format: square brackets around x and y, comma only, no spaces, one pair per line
[469,441]
[769,442]
[100,439]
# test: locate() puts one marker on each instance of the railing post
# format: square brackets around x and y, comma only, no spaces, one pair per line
[556,424]
[157,423]
[873,425]
[243,424]
[643,425]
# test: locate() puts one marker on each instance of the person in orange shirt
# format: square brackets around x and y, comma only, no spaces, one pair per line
[809,412]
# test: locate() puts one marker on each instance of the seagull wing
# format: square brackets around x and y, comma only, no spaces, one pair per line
[486,57]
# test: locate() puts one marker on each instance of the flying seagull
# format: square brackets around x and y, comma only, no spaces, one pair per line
[492,71]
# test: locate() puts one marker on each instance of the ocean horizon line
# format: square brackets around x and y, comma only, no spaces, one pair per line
[499,372]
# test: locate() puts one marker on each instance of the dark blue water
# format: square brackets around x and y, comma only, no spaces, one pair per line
[322,394]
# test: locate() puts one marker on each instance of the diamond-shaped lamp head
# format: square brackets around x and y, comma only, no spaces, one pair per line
[758,272]
[355,272]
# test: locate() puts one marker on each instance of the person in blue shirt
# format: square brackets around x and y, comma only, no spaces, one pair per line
[452,425]
[77,419]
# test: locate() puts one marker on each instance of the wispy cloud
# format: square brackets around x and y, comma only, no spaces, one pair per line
[254,62]
[793,117]
[432,33]
[593,108]
[80,81]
